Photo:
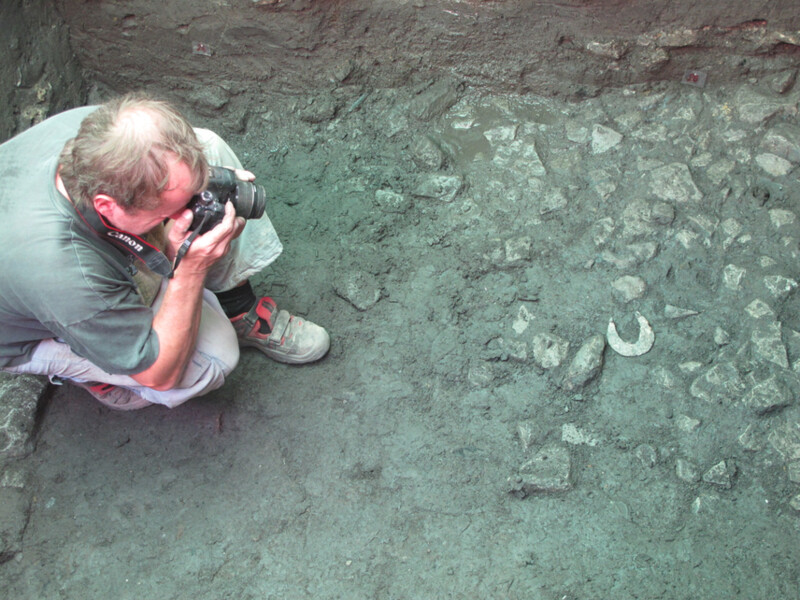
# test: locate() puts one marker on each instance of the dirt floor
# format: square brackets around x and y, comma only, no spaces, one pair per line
[461,250]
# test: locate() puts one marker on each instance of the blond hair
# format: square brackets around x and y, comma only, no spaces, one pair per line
[121,150]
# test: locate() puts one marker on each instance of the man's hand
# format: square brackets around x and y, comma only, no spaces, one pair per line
[207,248]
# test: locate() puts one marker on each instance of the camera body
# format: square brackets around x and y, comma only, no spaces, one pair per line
[208,207]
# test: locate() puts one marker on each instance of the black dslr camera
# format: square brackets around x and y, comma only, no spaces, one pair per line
[208,206]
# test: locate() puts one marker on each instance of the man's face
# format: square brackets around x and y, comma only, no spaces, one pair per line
[172,202]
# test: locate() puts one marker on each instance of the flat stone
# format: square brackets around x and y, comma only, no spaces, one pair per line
[758,309]
[440,187]
[674,183]
[631,255]
[604,138]
[779,286]
[777,143]
[586,365]
[755,108]
[768,345]
[647,455]
[686,423]
[629,287]
[19,399]
[613,49]
[436,100]
[548,471]
[360,289]
[721,337]
[572,434]
[773,164]
[782,82]
[427,154]
[785,438]
[392,202]
[732,277]
[521,157]
[793,471]
[518,249]
[686,471]
[750,440]
[549,350]
[721,474]
[505,133]
[720,383]
[718,171]
[551,202]
[769,395]
[676,312]
[780,217]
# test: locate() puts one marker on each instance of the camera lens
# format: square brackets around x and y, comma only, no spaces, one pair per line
[250,201]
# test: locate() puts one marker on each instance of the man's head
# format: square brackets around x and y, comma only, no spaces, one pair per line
[126,151]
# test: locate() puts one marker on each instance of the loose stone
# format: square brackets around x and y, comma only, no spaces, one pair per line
[675,312]
[793,471]
[392,202]
[686,471]
[769,395]
[647,455]
[604,138]
[549,350]
[674,183]
[441,187]
[774,165]
[547,472]
[720,383]
[572,434]
[361,289]
[721,474]
[785,438]
[686,423]
[629,287]
[732,277]
[767,344]
[586,365]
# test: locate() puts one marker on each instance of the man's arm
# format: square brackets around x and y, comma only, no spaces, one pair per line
[177,320]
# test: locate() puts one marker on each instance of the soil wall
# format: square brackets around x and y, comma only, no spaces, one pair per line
[39,74]
[235,54]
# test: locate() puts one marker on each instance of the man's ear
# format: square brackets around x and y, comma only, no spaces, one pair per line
[106,206]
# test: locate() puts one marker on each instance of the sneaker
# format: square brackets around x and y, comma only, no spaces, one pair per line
[281,336]
[114,397]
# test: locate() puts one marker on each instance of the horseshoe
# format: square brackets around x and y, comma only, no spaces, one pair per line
[641,346]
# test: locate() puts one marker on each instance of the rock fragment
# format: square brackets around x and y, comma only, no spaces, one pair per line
[440,187]
[629,287]
[721,474]
[769,395]
[549,471]
[586,365]
[392,202]
[427,154]
[604,138]
[767,344]
[773,164]
[360,289]
[674,183]
[549,350]
[720,383]
[687,471]
[785,438]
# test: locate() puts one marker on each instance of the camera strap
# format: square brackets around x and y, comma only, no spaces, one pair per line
[130,244]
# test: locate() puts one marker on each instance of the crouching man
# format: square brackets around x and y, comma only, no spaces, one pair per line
[111,279]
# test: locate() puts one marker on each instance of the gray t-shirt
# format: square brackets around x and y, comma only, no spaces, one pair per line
[59,279]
